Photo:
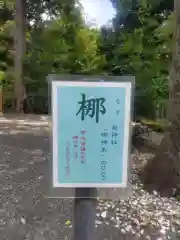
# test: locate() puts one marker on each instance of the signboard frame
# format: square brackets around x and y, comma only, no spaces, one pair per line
[95,81]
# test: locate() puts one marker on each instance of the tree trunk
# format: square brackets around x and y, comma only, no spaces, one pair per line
[163,171]
[19,42]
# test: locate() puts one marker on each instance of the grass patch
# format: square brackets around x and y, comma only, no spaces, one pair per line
[178,198]
[158,125]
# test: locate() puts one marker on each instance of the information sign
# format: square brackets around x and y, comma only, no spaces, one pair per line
[91,130]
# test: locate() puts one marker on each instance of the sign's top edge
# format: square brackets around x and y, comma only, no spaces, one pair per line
[89,78]
[91,84]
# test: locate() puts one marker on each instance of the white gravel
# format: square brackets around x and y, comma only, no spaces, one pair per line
[143,215]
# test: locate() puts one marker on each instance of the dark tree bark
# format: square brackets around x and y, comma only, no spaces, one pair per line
[19,42]
[163,171]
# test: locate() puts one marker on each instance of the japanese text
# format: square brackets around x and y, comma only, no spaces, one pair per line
[83,146]
[67,168]
[75,144]
[104,149]
[92,107]
[115,134]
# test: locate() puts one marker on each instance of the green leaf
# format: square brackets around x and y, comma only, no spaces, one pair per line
[2,76]
[68,222]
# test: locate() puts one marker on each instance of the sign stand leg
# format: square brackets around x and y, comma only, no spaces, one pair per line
[84,214]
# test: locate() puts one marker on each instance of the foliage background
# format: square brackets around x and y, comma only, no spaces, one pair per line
[138,42]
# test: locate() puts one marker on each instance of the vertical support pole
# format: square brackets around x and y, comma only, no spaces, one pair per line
[84,214]
[1,100]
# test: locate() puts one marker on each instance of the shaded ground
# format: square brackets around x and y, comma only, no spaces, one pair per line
[26,214]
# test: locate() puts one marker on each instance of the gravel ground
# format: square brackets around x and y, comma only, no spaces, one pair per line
[26,214]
